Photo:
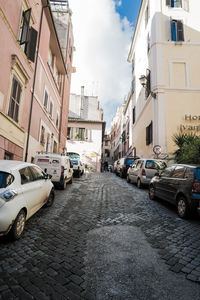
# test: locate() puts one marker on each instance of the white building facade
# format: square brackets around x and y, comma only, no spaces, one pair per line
[86,129]
[165,49]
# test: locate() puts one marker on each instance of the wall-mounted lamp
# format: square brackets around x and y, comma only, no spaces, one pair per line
[145,82]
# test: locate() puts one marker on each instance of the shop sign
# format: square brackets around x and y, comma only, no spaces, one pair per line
[190,127]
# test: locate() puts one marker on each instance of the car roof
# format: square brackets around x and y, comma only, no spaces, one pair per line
[7,165]
[51,155]
[187,165]
[155,159]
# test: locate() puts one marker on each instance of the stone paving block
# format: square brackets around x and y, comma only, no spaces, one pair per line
[76,279]
[172,261]
[74,288]
[177,268]
[192,277]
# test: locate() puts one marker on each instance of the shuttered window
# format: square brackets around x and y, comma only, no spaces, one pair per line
[46,97]
[177,30]
[174,3]
[15,98]
[148,84]
[149,134]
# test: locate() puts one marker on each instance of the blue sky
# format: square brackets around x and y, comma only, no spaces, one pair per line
[129,9]
[103,30]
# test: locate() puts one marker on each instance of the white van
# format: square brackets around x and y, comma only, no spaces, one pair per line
[57,165]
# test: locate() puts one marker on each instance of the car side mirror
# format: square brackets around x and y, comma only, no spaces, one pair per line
[47,176]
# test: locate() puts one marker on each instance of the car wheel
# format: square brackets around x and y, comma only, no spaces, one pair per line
[50,199]
[139,184]
[63,186]
[128,179]
[182,207]
[152,195]
[18,226]
[71,180]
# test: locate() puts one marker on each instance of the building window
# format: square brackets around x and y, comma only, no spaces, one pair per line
[55,147]
[68,133]
[149,134]
[16,91]
[133,85]
[51,109]
[174,3]
[79,134]
[46,97]
[24,28]
[133,64]
[148,84]
[8,155]
[148,43]
[134,115]
[177,30]
[28,35]
[57,120]
[147,15]
[42,136]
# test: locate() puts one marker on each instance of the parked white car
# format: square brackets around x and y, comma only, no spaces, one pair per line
[143,170]
[56,165]
[24,189]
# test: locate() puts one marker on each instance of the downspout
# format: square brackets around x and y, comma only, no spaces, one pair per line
[34,80]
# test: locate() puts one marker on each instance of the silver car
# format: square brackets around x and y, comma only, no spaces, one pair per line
[24,189]
[143,170]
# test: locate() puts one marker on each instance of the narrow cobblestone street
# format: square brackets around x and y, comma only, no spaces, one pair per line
[103,239]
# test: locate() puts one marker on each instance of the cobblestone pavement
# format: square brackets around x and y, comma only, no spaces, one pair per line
[50,260]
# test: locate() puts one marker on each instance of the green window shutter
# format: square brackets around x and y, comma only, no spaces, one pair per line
[180,31]
[31,44]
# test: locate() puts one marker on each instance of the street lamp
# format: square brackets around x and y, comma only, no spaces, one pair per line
[144,82]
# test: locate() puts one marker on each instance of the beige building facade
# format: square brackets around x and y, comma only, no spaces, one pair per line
[165,49]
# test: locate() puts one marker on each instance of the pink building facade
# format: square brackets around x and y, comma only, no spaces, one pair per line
[34,91]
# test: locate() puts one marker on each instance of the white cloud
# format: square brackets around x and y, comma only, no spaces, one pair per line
[102,44]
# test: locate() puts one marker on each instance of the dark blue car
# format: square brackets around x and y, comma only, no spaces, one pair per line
[180,185]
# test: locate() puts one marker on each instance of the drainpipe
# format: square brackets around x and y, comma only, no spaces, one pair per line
[34,80]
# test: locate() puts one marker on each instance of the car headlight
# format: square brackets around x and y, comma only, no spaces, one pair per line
[8,195]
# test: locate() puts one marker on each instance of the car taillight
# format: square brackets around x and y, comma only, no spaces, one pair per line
[196,187]
[62,170]
[143,172]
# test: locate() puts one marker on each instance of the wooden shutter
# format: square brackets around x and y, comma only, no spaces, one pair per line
[180,36]
[148,85]
[31,45]
[168,2]
[25,26]
[147,135]
[134,115]
[171,27]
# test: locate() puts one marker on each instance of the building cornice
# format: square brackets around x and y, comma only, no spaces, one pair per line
[74,120]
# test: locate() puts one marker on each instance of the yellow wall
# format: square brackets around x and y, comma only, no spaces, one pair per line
[11,131]
[178,105]
[139,132]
